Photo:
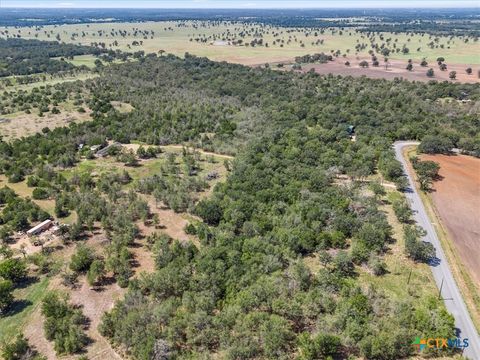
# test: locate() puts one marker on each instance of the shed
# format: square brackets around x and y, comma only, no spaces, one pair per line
[40,227]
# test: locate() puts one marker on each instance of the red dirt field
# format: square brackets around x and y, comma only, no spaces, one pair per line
[396,69]
[457,200]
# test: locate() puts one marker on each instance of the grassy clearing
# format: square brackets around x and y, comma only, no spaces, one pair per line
[22,190]
[46,79]
[405,278]
[174,37]
[148,167]
[460,273]
[122,107]
[83,60]
[28,299]
[21,124]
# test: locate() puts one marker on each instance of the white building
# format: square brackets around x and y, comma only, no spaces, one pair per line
[40,227]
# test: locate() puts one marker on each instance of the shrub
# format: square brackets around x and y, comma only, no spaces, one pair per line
[40,194]
[416,249]
[13,269]
[18,349]
[6,297]
[63,324]
[363,64]
[320,346]
[435,145]
[82,259]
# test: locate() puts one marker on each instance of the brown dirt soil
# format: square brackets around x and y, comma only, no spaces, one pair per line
[94,304]
[457,199]
[29,124]
[171,223]
[396,69]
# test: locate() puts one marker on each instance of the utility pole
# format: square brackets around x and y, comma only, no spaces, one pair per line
[440,291]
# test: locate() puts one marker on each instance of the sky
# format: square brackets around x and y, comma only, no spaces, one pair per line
[239,4]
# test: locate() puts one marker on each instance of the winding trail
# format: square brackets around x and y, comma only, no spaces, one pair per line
[440,268]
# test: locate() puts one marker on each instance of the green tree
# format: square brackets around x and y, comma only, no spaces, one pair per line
[416,249]
[6,297]
[402,210]
[82,259]
[435,145]
[12,269]
[427,172]
[321,346]
[210,211]
[96,272]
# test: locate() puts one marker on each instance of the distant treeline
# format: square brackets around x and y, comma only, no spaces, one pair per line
[435,21]
[25,57]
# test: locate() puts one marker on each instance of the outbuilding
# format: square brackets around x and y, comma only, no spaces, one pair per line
[40,227]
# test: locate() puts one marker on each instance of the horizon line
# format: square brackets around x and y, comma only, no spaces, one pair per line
[239,8]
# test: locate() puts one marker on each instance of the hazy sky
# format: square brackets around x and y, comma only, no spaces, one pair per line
[238,4]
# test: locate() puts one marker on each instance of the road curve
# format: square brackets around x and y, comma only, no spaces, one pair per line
[440,268]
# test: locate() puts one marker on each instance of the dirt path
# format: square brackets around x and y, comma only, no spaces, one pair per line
[179,147]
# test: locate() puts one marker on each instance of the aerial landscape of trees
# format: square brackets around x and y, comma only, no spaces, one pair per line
[24,57]
[295,194]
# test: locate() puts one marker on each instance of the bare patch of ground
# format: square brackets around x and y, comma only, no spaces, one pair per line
[22,124]
[171,223]
[396,69]
[94,304]
[457,199]
[122,107]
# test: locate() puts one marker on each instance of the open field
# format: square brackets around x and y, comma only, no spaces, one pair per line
[462,276]
[215,41]
[21,124]
[404,277]
[457,199]
[396,69]
[44,80]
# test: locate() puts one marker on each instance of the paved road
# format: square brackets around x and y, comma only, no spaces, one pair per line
[440,269]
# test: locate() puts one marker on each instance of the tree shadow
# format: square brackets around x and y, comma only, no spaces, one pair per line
[26,282]
[17,307]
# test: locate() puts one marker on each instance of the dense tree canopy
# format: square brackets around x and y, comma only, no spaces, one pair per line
[245,291]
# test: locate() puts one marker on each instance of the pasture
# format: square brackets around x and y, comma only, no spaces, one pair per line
[250,44]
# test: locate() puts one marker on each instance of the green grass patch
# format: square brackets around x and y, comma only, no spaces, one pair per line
[83,60]
[27,299]
[405,278]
